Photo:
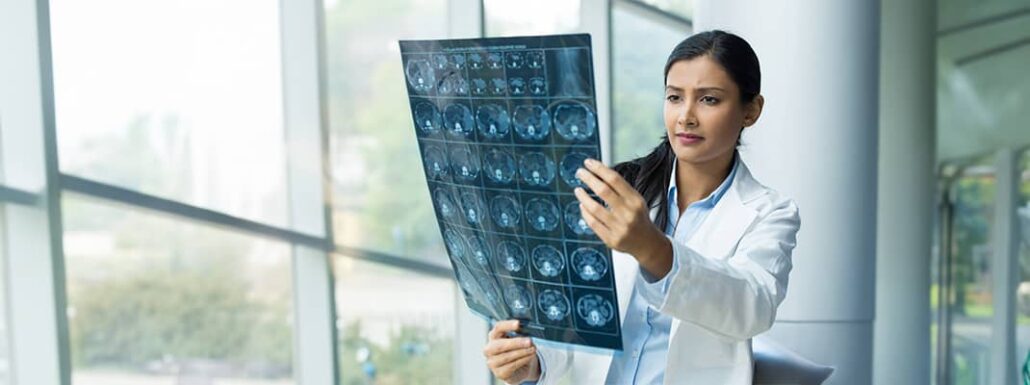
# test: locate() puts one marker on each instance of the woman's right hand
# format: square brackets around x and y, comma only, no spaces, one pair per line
[512,360]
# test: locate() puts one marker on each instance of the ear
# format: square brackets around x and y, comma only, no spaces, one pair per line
[753,110]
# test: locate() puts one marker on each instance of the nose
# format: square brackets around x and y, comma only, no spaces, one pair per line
[686,116]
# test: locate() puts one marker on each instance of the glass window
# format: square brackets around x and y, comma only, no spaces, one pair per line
[971,303]
[395,327]
[380,197]
[681,8]
[180,99]
[5,352]
[155,300]
[1023,290]
[531,17]
[638,82]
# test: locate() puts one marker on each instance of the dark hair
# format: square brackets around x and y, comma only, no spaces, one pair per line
[649,174]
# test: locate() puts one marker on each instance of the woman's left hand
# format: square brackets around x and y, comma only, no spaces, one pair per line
[625,224]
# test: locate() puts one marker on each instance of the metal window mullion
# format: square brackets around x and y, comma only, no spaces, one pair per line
[37,303]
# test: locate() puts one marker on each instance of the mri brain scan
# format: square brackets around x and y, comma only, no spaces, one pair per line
[569,164]
[553,304]
[519,300]
[595,310]
[537,169]
[458,119]
[427,118]
[505,211]
[420,75]
[464,164]
[574,121]
[472,208]
[575,221]
[542,214]
[531,122]
[511,256]
[500,166]
[589,264]
[548,261]
[502,126]
[436,164]
[445,204]
[493,121]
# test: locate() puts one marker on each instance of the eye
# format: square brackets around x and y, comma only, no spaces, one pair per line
[672,98]
[709,100]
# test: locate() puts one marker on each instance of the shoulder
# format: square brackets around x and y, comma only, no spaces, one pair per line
[763,199]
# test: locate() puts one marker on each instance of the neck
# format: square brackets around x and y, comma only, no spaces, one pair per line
[695,181]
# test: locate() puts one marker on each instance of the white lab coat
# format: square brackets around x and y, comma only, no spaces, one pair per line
[732,277]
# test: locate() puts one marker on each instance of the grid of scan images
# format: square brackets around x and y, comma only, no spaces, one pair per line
[502,125]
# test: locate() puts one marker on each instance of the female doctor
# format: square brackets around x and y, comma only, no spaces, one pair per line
[702,249]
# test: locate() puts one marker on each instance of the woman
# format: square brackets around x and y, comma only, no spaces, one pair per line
[702,250]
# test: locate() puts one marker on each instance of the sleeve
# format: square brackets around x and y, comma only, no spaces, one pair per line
[554,363]
[735,297]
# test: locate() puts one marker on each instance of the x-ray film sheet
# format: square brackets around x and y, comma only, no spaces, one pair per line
[502,126]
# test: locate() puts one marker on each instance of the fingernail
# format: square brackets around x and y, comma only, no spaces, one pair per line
[588,161]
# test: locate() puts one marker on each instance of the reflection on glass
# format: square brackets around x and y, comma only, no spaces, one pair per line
[395,327]
[152,300]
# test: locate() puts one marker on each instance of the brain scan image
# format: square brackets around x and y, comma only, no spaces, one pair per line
[498,86]
[517,86]
[548,260]
[535,59]
[569,164]
[436,165]
[519,300]
[595,310]
[420,75]
[511,256]
[476,61]
[553,304]
[445,204]
[478,86]
[516,60]
[427,118]
[574,121]
[505,211]
[542,214]
[493,121]
[502,126]
[458,119]
[464,164]
[455,245]
[500,166]
[536,169]
[471,207]
[538,86]
[479,252]
[589,264]
[531,122]
[494,61]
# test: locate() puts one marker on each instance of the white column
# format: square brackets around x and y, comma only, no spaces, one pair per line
[595,19]
[1005,268]
[901,343]
[35,259]
[817,143]
[306,143]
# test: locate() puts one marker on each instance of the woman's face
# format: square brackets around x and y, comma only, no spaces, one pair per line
[703,111]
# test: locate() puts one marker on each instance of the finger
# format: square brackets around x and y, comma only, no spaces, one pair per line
[611,177]
[506,358]
[507,370]
[502,327]
[599,228]
[598,186]
[503,345]
[596,209]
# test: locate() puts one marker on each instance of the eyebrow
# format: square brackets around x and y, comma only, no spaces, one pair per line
[699,89]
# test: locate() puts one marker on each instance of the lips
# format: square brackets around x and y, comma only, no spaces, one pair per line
[688,138]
